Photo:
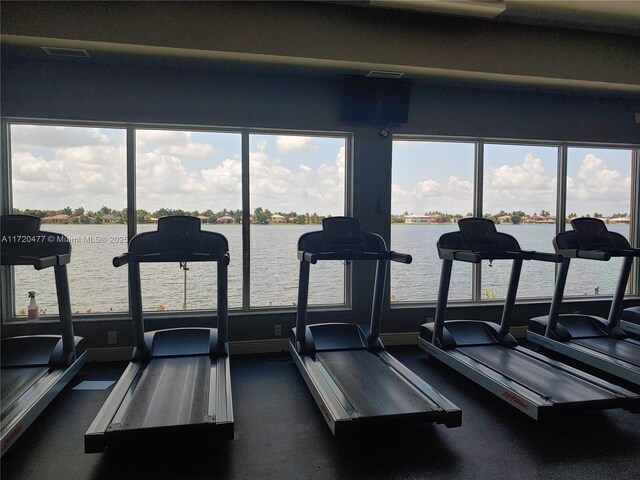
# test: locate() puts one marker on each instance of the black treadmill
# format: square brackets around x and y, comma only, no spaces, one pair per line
[177,387]
[354,381]
[592,340]
[35,368]
[486,353]
[630,320]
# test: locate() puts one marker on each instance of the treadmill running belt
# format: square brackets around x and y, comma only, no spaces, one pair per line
[172,391]
[549,382]
[620,349]
[16,381]
[370,385]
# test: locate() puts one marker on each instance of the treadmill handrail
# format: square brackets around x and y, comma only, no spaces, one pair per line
[313,257]
[542,256]
[52,260]
[171,257]
[39,263]
[477,257]
[400,257]
[593,255]
[466,256]
[611,252]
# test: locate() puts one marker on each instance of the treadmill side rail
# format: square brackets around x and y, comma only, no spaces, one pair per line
[220,406]
[336,411]
[606,363]
[94,441]
[37,400]
[511,392]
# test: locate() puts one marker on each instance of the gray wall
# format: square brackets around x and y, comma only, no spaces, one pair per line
[120,93]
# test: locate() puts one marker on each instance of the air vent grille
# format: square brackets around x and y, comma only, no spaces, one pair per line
[66,52]
[383,74]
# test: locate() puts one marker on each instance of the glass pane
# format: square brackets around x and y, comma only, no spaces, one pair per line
[520,197]
[432,187]
[295,182]
[74,178]
[598,185]
[198,174]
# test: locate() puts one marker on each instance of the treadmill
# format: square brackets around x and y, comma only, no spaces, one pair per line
[177,387]
[352,378]
[35,368]
[589,339]
[486,353]
[630,320]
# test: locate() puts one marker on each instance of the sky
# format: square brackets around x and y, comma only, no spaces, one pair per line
[438,176]
[54,167]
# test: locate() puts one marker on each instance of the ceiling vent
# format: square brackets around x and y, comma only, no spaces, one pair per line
[66,52]
[383,74]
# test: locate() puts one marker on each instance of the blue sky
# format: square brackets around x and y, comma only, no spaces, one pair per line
[78,166]
[438,176]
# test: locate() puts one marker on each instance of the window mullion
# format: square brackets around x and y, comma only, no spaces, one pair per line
[561,193]
[634,215]
[476,268]
[132,216]
[246,230]
[6,274]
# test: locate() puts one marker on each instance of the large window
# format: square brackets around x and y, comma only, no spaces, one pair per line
[432,188]
[295,182]
[74,178]
[598,185]
[516,186]
[519,195]
[262,199]
[190,173]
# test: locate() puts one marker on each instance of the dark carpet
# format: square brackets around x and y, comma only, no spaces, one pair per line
[280,434]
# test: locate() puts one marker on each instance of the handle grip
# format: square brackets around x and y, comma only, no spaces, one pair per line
[400,257]
[593,255]
[121,260]
[467,257]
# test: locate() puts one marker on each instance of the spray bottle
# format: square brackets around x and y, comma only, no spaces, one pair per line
[32,309]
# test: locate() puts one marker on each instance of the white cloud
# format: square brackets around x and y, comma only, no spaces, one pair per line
[176,143]
[598,187]
[51,137]
[290,143]
[308,189]
[427,188]
[88,176]
[523,186]
[455,196]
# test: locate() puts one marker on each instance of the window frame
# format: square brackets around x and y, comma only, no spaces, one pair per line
[561,201]
[6,206]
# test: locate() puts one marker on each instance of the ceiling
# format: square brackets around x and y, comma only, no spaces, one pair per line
[444,48]
[615,16]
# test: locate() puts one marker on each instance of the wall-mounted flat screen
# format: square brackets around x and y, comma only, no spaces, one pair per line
[382,101]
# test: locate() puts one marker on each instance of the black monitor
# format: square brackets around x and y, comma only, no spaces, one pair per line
[381,101]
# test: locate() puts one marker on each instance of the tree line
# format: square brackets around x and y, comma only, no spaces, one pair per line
[515,217]
[262,216]
[110,215]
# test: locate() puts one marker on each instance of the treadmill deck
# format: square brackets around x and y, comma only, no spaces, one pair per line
[554,384]
[171,391]
[620,349]
[371,386]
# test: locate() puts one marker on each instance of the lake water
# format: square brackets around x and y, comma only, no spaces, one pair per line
[98,287]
